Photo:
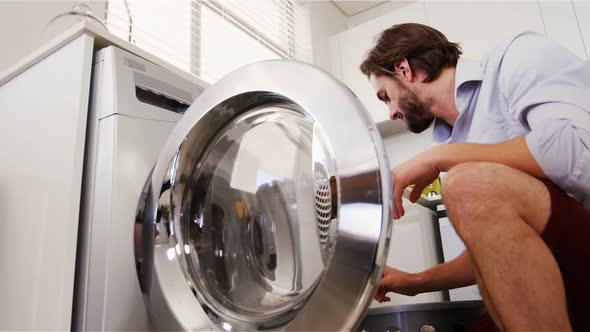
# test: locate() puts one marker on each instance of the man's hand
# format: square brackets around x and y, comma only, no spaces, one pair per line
[396,281]
[419,171]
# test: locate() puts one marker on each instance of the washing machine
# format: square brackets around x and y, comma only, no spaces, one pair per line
[261,202]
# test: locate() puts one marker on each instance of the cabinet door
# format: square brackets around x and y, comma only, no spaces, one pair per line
[352,45]
[561,25]
[479,25]
[42,139]
[582,10]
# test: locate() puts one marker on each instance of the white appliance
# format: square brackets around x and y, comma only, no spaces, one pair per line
[266,205]
[134,107]
[453,246]
[244,222]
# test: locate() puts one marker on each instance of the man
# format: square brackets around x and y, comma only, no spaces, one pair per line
[519,127]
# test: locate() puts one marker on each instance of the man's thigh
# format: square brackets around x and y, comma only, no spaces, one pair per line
[495,189]
[562,222]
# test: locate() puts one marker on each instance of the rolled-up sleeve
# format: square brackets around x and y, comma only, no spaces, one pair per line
[561,146]
[550,94]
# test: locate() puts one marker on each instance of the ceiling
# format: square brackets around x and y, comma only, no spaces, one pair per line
[354,7]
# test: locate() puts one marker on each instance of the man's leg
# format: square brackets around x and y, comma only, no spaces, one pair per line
[490,306]
[499,213]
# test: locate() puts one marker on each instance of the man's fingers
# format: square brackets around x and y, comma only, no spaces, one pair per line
[398,209]
[416,192]
[381,297]
[398,190]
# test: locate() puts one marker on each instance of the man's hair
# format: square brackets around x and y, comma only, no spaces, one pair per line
[425,48]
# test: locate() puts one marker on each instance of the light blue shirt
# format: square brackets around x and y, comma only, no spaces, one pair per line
[528,86]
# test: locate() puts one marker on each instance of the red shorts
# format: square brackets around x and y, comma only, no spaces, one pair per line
[567,234]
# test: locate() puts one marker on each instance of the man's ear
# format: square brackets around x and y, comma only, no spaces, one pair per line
[403,70]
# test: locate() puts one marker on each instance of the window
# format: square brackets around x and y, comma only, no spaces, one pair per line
[210,38]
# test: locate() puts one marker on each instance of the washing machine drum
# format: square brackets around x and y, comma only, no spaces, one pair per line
[269,207]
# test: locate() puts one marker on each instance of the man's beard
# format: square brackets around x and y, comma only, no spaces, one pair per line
[418,117]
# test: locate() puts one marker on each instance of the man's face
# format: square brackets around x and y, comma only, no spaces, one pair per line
[402,103]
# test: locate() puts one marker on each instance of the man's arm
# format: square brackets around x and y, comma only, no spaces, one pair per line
[514,153]
[421,171]
[453,274]
[425,167]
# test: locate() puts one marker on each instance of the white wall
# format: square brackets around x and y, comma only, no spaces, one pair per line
[375,12]
[24,25]
[560,18]
[325,21]
[350,47]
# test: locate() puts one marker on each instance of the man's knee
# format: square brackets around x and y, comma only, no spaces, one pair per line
[489,192]
[468,184]
[475,191]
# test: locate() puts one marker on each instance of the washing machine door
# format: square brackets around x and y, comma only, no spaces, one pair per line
[269,207]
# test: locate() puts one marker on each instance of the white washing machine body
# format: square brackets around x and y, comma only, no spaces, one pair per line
[134,107]
[266,206]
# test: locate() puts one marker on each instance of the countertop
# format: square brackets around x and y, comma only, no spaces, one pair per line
[102,38]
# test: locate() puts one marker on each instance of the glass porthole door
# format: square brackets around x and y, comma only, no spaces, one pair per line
[269,207]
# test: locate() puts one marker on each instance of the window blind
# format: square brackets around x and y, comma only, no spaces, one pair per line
[210,38]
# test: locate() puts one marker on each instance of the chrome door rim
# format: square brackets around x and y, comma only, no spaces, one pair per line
[349,283]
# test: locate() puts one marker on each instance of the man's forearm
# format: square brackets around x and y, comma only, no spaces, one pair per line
[454,274]
[513,153]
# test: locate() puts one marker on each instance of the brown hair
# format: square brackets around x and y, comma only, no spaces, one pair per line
[424,47]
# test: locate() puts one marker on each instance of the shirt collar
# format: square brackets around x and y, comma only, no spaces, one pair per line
[467,70]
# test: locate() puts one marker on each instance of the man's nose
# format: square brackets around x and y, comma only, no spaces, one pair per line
[394,114]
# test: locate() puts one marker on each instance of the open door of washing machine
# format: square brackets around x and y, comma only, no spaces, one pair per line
[269,207]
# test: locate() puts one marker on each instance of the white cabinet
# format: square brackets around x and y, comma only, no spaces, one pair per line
[42,139]
[453,246]
[350,47]
[582,10]
[561,25]
[479,25]
[413,249]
